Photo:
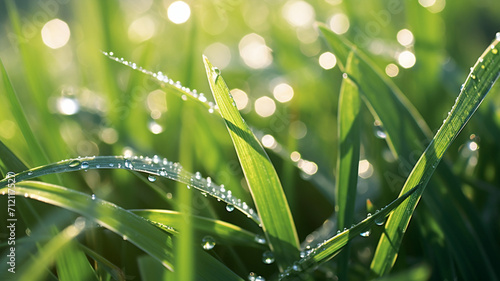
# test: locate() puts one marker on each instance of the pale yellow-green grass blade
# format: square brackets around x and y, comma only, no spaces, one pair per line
[260,174]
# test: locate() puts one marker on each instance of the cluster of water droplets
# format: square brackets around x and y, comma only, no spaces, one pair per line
[185,92]
[155,167]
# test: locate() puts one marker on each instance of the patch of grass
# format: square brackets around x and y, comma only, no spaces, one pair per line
[279,168]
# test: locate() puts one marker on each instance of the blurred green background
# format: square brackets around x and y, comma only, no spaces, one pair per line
[282,75]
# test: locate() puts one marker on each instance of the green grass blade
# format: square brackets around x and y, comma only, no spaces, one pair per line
[226,232]
[405,129]
[482,77]
[135,229]
[39,155]
[10,161]
[38,268]
[260,174]
[72,264]
[348,157]
[154,166]
[104,264]
[325,251]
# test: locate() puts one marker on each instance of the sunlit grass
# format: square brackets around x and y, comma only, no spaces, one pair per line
[286,156]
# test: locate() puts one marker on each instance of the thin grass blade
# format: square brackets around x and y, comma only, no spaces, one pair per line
[348,157]
[260,175]
[325,251]
[482,77]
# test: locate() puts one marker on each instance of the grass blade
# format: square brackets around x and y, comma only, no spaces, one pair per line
[10,161]
[37,269]
[153,166]
[405,129]
[325,251]
[135,229]
[260,174]
[483,75]
[229,233]
[348,157]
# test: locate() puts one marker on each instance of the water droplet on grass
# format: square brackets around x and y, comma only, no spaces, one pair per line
[229,207]
[208,243]
[366,233]
[151,178]
[380,221]
[93,197]
[260,239]
[216,73]
[268,257]
[128,164]
[85,165]
[74,163]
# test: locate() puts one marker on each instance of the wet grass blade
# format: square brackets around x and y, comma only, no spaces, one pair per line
[405,129]
[154,166]
[482,77]
[325,251]
[260,174]
[135,229]
[348,157]
[229,233]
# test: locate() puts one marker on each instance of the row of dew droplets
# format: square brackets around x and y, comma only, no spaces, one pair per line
[307,254]
[164,79]
[156,166]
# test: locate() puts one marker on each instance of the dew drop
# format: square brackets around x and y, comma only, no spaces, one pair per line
[380,221]
[498,36]
[197,175]
[260,239]
[208,243]
[30,173]
[229,207]
[344,75]
[163,172]
[366,233]
[125,237]
[379,130]
[151,178]
[251,276]
[74,163]
[296,266]
[268,257]
[128,164]
[93,196]
[85,165]
[26,195]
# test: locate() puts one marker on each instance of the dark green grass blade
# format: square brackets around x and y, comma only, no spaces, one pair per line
[348,157]
[11,162]
[325,251]
[260,174]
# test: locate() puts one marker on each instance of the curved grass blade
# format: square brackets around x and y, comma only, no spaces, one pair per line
[229,233]
[72,263]
[260,174]
[133,228]
[348,157]
[325,251]
[153,166]
[480,80]
[455,212]
[184,92]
